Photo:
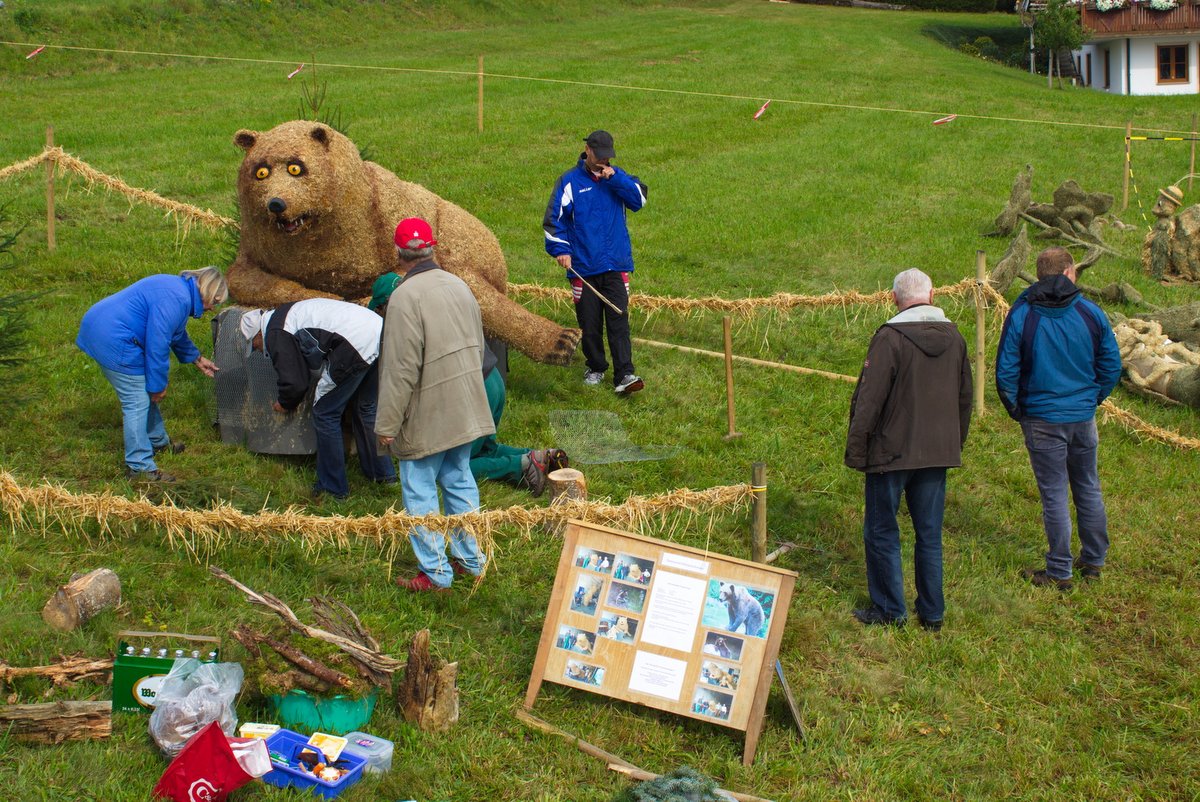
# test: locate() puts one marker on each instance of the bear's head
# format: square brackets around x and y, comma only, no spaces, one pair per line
[293,176]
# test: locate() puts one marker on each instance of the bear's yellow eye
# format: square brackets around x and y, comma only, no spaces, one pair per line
[295,169]
[262,172]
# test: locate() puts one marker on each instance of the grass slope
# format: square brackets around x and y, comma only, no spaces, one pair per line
[842,183]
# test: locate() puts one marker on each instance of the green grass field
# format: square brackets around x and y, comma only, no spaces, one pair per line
[842,183]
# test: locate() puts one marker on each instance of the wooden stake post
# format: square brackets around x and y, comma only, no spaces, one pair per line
[51,244]
[727,324]
[1128,156]
[481,93]
[758,521]
[672,637]
[980,324]
[1192,163]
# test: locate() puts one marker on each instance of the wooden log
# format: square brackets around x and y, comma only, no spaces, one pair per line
[428,696]
[567,484]
[82,598]
[299,659]
[55,722]
[66,671]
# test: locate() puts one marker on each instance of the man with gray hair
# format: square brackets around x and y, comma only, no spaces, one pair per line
[908,421]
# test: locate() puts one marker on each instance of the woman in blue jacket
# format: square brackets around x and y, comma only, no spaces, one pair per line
[131,334]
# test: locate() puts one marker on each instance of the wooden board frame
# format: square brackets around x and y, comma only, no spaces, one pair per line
[704,670]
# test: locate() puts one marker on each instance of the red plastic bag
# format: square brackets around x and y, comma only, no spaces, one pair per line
[205,771]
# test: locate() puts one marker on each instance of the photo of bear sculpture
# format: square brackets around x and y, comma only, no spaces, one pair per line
[592,560]
[723,646]
[733,607]
[620,628]
[587,594]
[720,675]
[626,597]
[633,569]
[584,672]
[575,640]
[712,703]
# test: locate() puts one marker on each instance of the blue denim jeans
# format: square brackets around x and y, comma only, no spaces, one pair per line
[1063,455]
[419,482]
[140,418]
[358,393]
[925,491]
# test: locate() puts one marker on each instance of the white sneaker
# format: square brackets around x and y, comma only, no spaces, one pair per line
[593,377]
[629,384]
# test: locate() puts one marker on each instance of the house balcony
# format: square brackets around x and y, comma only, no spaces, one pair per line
[1139,19]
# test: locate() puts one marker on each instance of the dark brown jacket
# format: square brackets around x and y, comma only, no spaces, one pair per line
[912,405]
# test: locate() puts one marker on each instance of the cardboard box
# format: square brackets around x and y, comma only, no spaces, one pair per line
[137,677]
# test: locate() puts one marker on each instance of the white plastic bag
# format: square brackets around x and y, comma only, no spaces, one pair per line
[192,695]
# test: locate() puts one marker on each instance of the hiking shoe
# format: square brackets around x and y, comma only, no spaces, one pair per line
[534,474]
[593,377]
[421,583]
[629,385]
[873,616]
[172,446]
[148,477]
[1039,578]
[556,459]
[930,626]
[1087,571]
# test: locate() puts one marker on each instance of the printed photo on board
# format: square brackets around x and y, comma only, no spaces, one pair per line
[633,569]
[711,703]
[584,672]
[626,597]
[587,594]
[593,560]
[722,676]
[738,608]
[723,646]
[575,640]
[620,628]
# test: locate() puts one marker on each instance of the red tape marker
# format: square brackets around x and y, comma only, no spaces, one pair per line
[34,53]
[944,120]
[292,74]
[759,113]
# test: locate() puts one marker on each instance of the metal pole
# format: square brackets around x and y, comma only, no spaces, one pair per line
[758,523]
[51,244]
[980,366]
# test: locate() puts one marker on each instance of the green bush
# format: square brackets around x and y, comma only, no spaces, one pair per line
[972,6]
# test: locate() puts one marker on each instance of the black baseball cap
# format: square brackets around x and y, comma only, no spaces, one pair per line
[601,143]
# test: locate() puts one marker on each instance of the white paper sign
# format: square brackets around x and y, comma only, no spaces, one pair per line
[684,563]
[658,675]
[674,611]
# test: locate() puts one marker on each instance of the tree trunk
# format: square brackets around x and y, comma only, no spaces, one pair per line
[566,485]
[428,696]
[56,722]
[80,599]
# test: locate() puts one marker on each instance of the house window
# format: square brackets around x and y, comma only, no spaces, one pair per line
[1172,64]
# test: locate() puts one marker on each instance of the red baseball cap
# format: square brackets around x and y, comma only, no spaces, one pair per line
[414,228]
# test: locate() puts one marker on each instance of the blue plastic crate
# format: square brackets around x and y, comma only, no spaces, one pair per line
[289,744]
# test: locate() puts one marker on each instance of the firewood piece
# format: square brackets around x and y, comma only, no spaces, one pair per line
[336,617]
[80,599]
[299,659]
[290,679]
[55,722]
[428,696]
[374,659]
[567,484]
[66,671]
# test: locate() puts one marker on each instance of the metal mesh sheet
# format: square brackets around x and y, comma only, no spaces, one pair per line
[246,388]
[593,437]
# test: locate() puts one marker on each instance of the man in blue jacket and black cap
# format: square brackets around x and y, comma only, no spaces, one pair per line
[1057,361]
[586,234]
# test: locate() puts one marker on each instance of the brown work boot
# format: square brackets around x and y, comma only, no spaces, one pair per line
[1039,578]
[534,474]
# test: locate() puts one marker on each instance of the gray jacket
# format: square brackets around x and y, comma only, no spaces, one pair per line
[431,394]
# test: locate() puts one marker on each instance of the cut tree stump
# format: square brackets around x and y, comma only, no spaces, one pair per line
[76,602]
[55,722]
[428,696]
[566,485]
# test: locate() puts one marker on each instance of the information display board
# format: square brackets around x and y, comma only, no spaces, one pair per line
[664,625]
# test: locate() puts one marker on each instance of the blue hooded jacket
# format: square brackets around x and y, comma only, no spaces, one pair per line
[134,330]
[585,218]
[1058,358]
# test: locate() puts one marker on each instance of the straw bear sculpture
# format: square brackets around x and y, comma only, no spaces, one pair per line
[317,222]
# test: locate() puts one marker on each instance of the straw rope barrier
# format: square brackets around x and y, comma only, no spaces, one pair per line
[202,531]
[65,162]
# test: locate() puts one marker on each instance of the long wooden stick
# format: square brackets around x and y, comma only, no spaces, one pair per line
[980,328]
[614,763]
[1126,167]
[51,166]
[64,672]
[749,360]
[727,324]
[607,302]
[1192,164]
[758,519]
[481,93]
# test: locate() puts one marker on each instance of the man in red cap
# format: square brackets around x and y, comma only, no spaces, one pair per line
[432,402]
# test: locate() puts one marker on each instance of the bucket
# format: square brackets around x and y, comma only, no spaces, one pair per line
[307,712]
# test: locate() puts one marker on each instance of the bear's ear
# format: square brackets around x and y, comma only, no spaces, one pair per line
[245,139]
[321,134]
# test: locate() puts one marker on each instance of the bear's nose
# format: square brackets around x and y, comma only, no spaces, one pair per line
[276,206]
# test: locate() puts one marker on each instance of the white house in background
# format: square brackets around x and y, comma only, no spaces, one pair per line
[1137,49]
